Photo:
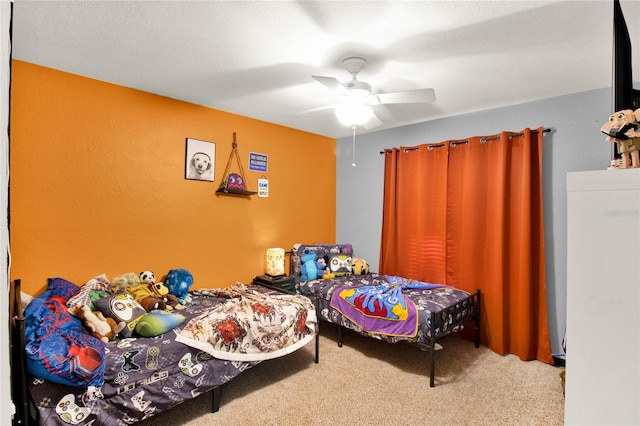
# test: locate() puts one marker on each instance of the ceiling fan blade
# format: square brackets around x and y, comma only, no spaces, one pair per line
[408,97]
[331,83]
[372,122]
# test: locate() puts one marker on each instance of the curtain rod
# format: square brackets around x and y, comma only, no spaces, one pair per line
[545,130]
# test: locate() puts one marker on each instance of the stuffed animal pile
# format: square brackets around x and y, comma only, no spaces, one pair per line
[131,303]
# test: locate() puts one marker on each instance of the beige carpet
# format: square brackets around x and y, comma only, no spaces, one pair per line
[368,382]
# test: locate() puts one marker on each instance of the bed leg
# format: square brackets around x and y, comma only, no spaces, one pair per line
[317,307]
[339,335]
[432,353]
[216,399]
[478,319]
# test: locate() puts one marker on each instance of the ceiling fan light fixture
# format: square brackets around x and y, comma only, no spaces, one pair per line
[354,114]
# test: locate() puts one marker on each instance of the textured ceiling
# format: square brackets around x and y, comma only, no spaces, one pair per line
[256,58]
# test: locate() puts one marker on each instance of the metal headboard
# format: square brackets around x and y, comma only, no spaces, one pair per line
[18,365]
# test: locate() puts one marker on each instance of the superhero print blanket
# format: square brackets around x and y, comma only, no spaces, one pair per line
[383,308]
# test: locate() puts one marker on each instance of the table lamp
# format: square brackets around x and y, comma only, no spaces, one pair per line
[275,262]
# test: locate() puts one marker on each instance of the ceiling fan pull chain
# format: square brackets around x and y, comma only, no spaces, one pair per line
[353,164]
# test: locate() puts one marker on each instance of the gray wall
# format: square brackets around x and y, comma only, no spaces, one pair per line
[575,143]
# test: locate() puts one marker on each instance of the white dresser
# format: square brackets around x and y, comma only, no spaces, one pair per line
[603,298]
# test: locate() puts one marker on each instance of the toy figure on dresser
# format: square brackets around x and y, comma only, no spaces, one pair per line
[622,128]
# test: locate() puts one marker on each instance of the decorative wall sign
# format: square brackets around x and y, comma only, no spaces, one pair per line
[263,187]
[200,160]
[258,162]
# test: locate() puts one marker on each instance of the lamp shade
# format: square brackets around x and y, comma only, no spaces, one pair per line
[275,261]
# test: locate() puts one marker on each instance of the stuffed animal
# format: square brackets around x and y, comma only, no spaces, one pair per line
[152,295]
[179,281]
[359,266]
[310,269]
[326,271]
[101,328]
[622,129]
[125,280]
[160,290]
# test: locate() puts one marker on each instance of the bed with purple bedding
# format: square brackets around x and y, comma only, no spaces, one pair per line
[389,308]
[137,377]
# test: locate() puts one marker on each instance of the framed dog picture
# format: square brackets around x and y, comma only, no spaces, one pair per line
[200,160]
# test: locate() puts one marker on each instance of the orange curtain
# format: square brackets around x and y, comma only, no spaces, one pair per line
[469,213]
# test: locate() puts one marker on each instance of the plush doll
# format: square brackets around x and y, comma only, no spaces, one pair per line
[326,271]
[101,328]
[152,296]
[179,281]
[118,284]
[359,266]
[310,269]
[623,129]
[160,290]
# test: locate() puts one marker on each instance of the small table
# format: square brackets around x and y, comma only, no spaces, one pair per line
[287,284]
[283,283]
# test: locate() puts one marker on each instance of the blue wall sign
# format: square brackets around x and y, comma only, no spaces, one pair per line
[258,162]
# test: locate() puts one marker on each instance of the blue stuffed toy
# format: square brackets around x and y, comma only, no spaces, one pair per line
[310,269]
[179,281]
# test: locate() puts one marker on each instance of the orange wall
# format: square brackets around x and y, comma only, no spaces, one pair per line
[97,185]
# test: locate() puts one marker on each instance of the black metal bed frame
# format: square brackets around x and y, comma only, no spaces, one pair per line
[26,413]
[457,320]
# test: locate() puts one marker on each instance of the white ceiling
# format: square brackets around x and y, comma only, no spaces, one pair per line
[256,58]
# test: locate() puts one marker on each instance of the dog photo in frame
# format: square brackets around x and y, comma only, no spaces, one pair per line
[200,160]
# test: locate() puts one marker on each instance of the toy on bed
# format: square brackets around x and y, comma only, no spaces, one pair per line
[99,327]
[359,266]
[153,295]
[179,281]
[311,268]
[622,129]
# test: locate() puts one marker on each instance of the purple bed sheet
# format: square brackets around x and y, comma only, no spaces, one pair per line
[143,377]
[450,305]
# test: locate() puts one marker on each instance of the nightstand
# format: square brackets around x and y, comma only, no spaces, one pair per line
[283,284]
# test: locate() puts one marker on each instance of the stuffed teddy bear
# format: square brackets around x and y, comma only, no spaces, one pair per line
[151,295]
[310,269]
[622,128]
[101,328]
[179,281]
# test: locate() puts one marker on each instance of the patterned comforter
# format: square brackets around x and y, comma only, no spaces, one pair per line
[252,325]
[143,377]
[426,301]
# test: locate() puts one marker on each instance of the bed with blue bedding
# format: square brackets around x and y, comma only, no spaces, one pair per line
[73,378]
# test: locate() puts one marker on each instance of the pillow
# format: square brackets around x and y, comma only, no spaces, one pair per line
[321,251]
[340,264]
[83,297]
[58,348]
[121,307]
[158,322]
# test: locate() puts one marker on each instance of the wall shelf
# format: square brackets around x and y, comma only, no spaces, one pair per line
[235,192]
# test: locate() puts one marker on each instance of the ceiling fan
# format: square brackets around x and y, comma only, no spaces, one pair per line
[356,97]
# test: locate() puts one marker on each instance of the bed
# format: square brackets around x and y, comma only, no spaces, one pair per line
[84,381]
[389,308]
